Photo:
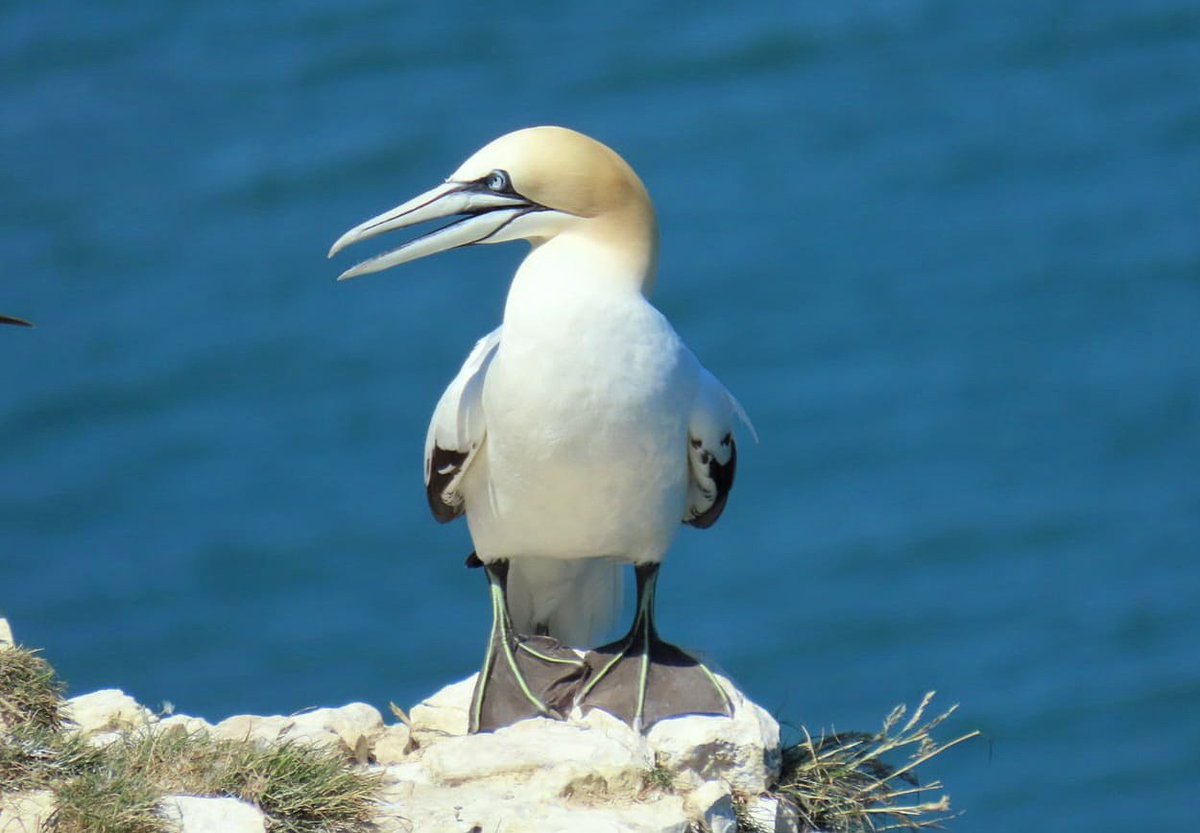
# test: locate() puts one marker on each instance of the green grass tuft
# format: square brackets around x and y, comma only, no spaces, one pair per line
[104,799]
[304,788]
[118,788]
[301,788]
[30,691]
[33,758]
[658,778]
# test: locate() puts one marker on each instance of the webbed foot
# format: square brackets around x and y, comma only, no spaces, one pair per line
[522,676]
[641,679]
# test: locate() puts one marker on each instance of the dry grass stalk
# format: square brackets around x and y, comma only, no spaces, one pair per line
[840,783]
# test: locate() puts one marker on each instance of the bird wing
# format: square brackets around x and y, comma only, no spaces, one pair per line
[712,452]
[457,430]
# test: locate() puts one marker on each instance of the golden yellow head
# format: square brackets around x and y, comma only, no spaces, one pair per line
[562,170]
[533,184]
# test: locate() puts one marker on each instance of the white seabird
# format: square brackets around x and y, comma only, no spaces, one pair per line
[577,435]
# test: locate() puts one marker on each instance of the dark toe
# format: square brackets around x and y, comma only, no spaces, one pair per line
[676,685]
[553,678]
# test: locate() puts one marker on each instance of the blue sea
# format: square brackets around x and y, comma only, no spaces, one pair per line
[946,254]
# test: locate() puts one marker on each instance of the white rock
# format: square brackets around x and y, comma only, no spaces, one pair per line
[445,713]
[393,745]
[352,724]
[107,710]
[553,753]
[410,772]
[496,807]
[191,814]
[25,812]
[742,751]
[775,816]
[711,805]
[349,728]
[586,773]
[185,723]
[101,739]
[761,811]
[313,736]
[269,729]
[6,636]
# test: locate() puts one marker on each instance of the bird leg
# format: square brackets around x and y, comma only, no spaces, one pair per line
[522,676]
[642,679]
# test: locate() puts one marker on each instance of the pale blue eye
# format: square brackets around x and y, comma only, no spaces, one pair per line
[498,181]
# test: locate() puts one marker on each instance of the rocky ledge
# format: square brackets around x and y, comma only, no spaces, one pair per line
[588,773]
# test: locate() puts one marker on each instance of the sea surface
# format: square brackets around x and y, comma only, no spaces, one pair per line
[946,254]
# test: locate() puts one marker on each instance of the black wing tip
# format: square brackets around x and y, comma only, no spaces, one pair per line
[443,512]
[722,476]
[16,322]
[709,516]
[444,466]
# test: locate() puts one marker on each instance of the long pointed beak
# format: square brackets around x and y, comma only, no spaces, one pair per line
[483,214]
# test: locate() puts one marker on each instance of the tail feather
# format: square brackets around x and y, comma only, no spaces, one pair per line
[576,601]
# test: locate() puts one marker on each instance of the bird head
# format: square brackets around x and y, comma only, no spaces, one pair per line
[538,184]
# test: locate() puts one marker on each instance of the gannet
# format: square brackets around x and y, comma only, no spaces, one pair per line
[577,435]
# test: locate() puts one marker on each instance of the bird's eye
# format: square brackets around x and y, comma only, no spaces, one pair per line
[498,181]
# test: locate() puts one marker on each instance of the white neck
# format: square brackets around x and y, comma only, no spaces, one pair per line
[620,255]
[572,281]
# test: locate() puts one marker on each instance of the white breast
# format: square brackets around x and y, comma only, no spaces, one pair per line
[587,403]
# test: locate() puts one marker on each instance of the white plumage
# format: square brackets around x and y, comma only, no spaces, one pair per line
[577,419]
[579,435]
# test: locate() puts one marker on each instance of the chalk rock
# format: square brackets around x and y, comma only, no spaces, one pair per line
[350,728]
[711,804]
[184,723]
[262,730]
[445,713]
[190,814]
[25,812]
[392,745]
[549,754]
[353,724]
[742,751]
[6,637]
[774,816]
[102,739]
[496,807]
[589,772]
[103,714]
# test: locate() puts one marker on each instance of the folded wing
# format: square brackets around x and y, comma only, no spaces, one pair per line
[712,452]
[457,431]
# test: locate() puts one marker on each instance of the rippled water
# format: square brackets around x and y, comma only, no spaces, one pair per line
[946,254]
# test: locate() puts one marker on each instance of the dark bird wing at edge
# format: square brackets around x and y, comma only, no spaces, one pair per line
[712,452]
[457,431]
[712,471]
